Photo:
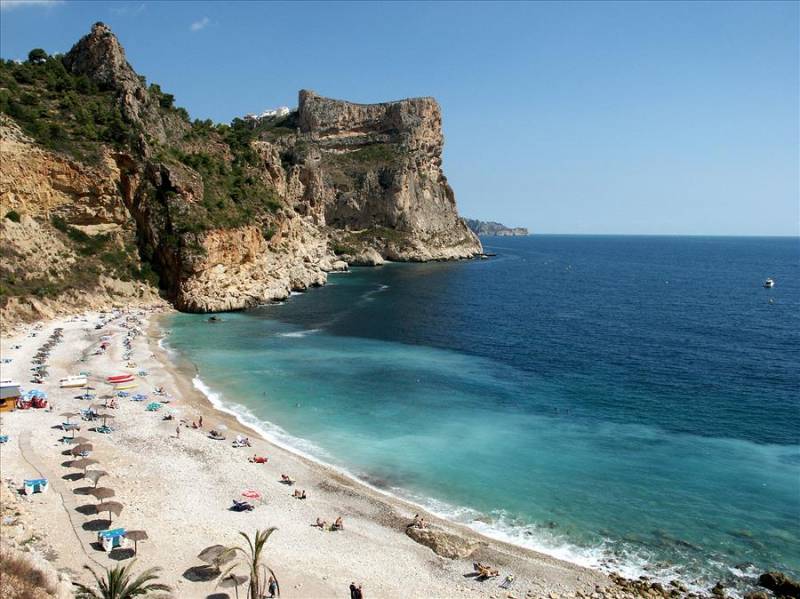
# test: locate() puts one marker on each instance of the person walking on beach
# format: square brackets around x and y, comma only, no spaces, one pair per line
[200,422]
[178,431]
[353,588]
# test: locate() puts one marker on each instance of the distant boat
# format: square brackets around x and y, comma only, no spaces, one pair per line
[769,284]
[73,381]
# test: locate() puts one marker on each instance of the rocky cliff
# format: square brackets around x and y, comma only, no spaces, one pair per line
[494,229]
[104,170]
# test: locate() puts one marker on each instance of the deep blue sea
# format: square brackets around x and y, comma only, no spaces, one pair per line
[629,403]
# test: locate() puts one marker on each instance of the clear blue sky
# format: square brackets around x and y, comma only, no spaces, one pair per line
[625,117]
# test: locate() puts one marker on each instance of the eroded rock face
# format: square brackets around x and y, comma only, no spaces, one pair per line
[379,166]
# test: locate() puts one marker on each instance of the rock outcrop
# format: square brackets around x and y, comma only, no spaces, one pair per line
[780,584]
[227,217]
[442,543]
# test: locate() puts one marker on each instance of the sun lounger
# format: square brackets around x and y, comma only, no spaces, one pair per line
[35,485]
[111,539]
[153,406]
[105,429]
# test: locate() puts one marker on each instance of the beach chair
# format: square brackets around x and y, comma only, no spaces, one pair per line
[111,539]
[105,429]
[35,485]
[153,406]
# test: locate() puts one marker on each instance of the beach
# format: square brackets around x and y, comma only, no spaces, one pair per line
[177,484]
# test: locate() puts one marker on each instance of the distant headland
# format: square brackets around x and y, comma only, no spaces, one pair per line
[491,228]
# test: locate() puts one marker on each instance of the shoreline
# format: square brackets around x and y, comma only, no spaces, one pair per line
[185,375]
[178,483]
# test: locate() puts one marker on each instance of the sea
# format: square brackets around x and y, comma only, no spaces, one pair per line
[626,403]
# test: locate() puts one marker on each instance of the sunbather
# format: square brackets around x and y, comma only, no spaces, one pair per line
[338,524]
[321,524]
[286,480]
[257,459]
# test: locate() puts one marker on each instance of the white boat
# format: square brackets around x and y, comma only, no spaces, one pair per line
[769,284]
[73,381]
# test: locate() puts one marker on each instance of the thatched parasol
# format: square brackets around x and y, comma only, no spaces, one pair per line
[83,463]
[95,475]
[102,492]
[81,448]
[233,581]
[109,506]
[69,415]
[80,440]
[216,555]
[105,416]
[136,536]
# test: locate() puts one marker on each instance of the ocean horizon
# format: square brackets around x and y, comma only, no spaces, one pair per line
[623,402]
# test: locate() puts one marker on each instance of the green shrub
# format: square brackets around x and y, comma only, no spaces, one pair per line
[13,215]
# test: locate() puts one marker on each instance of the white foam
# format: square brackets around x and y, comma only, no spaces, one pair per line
[605,556]
[299,333]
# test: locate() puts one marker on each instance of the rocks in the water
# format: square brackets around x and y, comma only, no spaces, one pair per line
[718,590]
[780,584]
[366,257]
[757,595]
[443,543]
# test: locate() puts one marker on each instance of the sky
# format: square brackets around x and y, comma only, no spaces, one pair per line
[607,118]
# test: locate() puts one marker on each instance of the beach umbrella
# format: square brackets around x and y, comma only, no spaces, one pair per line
[83,463]
[109,506]
[104,417]
[216,555]
[81,448]
[233,581]
[95,475]
[136,536]
[69,415]
[102,493]
[81,440]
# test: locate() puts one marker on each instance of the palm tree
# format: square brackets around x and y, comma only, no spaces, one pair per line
[118,583]
[250,559]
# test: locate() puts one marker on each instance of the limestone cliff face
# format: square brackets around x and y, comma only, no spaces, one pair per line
[233,217]
[46,270]
[379,167]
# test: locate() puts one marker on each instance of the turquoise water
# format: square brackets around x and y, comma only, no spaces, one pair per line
[626,403]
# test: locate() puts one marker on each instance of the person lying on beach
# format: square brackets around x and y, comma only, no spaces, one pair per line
[286,480]
[338,524]
[194,424]
[257,459]
[321,524]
